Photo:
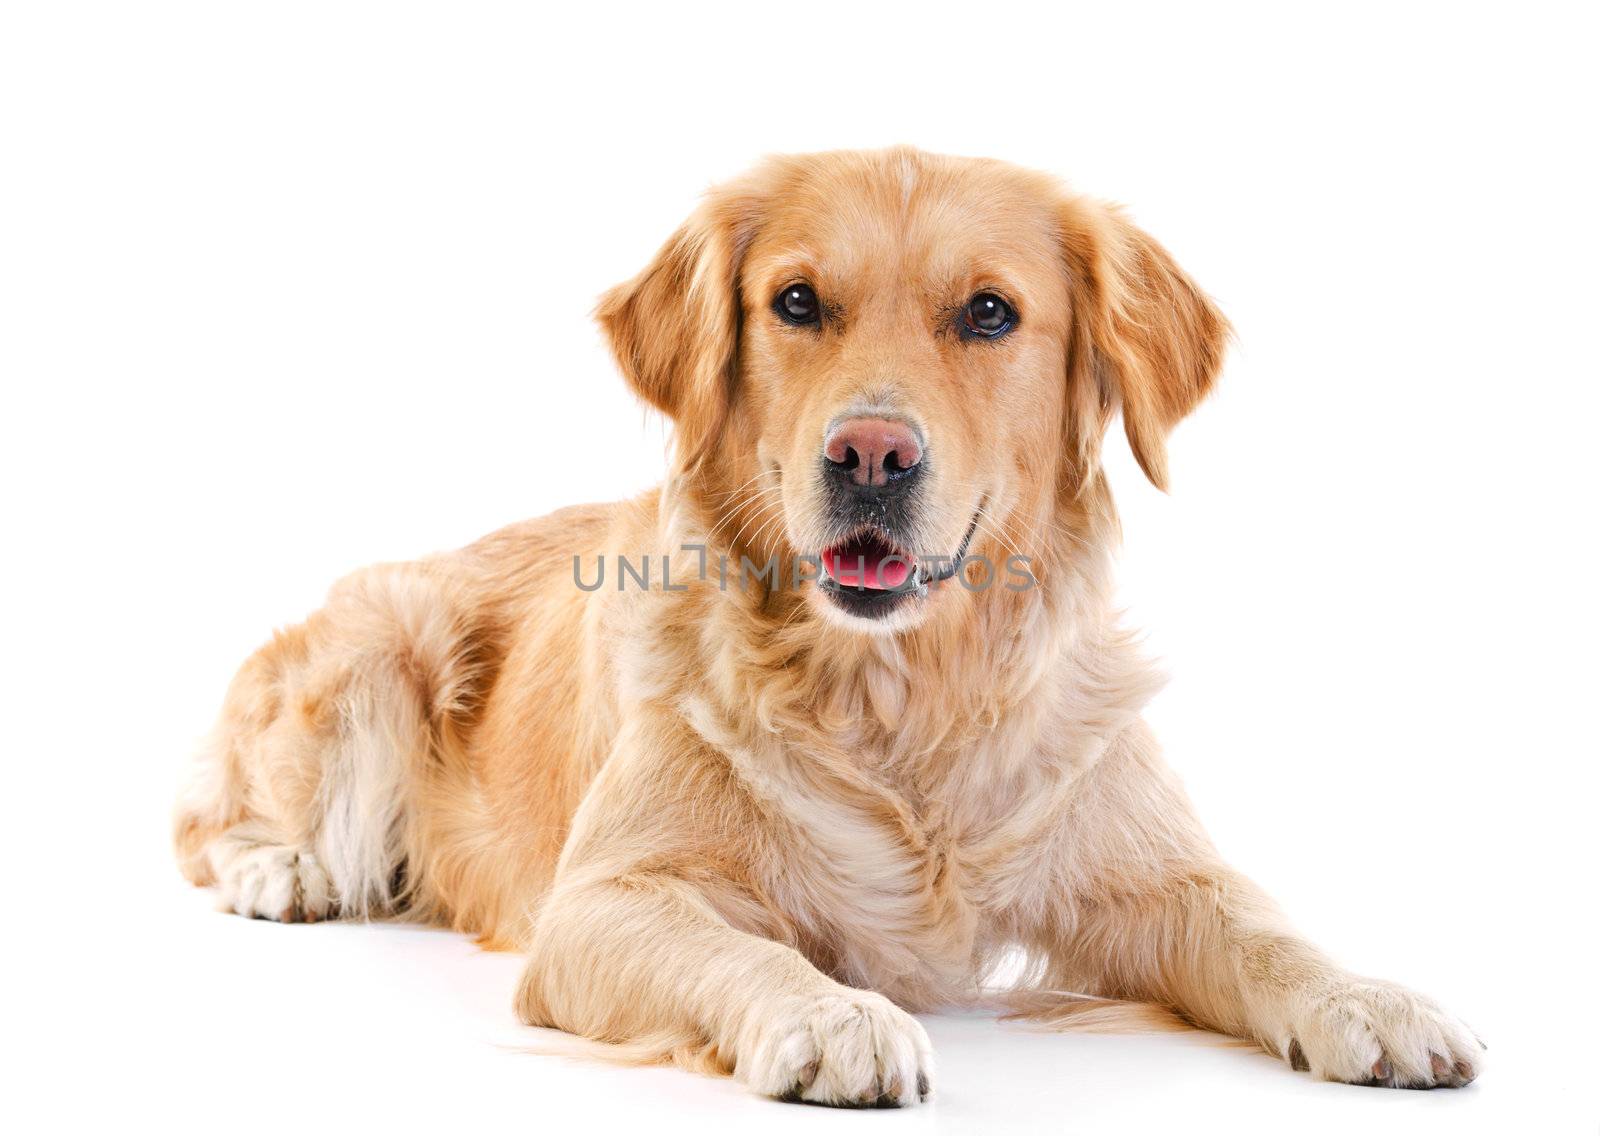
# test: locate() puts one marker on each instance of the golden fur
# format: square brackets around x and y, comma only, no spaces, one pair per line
[736,825]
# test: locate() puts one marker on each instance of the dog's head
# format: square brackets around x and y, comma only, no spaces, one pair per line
[880,358]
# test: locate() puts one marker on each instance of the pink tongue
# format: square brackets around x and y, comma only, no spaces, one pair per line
[858,568]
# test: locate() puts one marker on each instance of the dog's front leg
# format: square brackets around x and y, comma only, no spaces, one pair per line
[635,944]
[1151,914]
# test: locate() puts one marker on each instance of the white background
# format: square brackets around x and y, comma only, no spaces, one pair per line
[290,288]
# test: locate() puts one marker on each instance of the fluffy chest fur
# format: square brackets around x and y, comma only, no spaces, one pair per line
[914,799]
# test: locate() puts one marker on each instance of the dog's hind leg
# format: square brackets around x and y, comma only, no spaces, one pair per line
[303,803]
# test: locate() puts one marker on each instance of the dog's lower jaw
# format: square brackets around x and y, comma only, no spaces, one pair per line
[895,618]
[870,604]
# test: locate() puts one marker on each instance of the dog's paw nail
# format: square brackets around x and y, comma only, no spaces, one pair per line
[1441,1066]
[1465,1071]
[1297,1057]
[922,1086]
[1381,1069]
[807,1078]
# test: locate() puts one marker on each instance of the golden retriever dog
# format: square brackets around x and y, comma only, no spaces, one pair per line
[817,734]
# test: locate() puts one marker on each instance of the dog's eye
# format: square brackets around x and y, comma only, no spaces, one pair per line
[797,304]
[987,316]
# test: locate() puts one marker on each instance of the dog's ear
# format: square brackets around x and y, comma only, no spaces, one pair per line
[674,328]
[1147,340]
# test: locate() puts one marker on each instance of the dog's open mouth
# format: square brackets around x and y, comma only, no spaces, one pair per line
[869,560]
[869,575]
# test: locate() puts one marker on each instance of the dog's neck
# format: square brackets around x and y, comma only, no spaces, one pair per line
[916,699]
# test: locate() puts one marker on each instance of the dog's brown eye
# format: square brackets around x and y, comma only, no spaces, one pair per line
[797,304]
[987,316]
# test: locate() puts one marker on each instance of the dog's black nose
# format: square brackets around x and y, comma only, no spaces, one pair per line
[873,453]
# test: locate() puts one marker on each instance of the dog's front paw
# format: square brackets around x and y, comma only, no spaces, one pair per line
[272,881]
[855,1049]
[1375,1033]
